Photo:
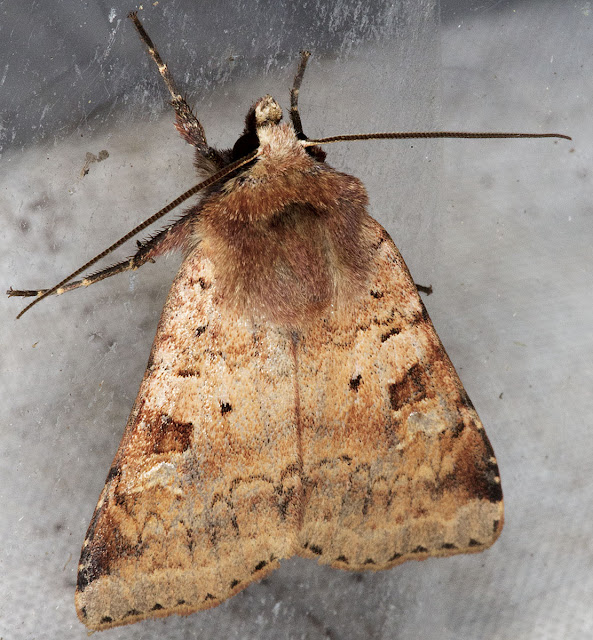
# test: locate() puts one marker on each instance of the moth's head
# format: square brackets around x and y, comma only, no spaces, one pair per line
[263,116]
[266,112]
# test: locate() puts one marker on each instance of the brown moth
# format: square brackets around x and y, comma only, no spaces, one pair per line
[297,399]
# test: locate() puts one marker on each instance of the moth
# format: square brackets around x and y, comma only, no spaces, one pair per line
[297,399]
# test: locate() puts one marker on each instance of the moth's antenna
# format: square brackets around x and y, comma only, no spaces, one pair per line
[427,134]
[295,116]
[159,214]
[298,127]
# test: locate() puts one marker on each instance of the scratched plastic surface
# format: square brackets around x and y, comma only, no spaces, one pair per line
[501,230]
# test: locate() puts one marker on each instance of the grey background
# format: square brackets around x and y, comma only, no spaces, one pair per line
[501,229]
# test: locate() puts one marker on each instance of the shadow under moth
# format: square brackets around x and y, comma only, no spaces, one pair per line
[297,399]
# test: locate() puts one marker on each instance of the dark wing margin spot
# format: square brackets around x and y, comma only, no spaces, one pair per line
[82,581]
[157,607]
[369,561]
[474,543]
[180,603]
[424,312]
[465,400]
[106,619]
[395,556]
[448,545]
[355,382]
[342,559]
[492,491]
[260,565]
[234,583]
[420,549]
[209,596]
[315,549]
[132,612]
[225,407]
[377,294]
[113,472]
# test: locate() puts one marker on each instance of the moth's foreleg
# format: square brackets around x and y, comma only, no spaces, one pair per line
[168,239]
[185,121]
[125,265]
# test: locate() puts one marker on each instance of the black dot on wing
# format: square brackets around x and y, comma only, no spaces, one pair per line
[355,382]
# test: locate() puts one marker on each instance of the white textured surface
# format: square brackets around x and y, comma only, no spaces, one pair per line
[501,229]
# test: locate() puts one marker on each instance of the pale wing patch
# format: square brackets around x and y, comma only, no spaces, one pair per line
[396,464]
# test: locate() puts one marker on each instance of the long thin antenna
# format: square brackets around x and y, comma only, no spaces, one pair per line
[159,214]
[427,134]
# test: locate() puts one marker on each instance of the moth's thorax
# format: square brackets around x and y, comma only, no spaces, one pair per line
[288,237]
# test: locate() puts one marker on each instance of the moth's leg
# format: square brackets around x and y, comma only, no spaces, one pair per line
[295,116]
[185,121]
[424,289]
[173,237]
